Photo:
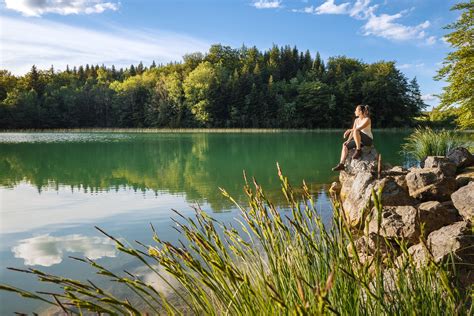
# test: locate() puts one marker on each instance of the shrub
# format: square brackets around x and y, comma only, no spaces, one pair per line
[425,142]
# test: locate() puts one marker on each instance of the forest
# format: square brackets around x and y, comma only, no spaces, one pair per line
[224,88]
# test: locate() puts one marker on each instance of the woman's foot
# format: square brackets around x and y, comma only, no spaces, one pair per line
[339,167]
[357,154]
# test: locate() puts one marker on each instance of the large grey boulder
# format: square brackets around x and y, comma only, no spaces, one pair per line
[397,170]
[455,239]
[366,163]
[430,184]
[397,222]
[466,176]
[463,200]
[355,195]
[367,246]
[461,157]
[394,191]
[435,215]
[398,174]
[369,243]
[357,181]
[447,167]
[421,177]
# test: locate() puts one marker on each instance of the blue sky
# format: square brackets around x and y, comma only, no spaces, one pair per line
[60,32]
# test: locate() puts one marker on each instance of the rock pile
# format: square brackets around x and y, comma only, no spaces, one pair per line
[435,202]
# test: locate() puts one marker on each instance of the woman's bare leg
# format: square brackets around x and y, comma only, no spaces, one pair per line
[356,135]
[343,153]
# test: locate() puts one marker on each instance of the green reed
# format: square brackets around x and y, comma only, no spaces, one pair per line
[274,262]
[425,142]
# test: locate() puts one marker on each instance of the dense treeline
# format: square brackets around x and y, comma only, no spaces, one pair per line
[280,87]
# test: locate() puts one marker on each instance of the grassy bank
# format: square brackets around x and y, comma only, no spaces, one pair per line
[278,262]
[424,142]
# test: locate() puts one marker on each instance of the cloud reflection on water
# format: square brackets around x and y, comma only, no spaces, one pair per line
[160,282]
[46,250]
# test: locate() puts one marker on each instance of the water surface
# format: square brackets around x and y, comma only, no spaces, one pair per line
[54,187]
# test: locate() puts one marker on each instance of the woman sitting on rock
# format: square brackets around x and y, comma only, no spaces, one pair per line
[360,135]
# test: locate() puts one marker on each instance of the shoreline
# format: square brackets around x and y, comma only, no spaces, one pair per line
[195,130]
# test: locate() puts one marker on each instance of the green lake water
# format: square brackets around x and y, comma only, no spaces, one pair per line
[54,187]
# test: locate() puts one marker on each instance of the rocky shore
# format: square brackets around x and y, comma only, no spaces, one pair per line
[429,209]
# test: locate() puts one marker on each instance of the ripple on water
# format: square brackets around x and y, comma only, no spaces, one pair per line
[14,138]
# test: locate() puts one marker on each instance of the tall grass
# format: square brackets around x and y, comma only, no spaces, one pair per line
[425,142]
[278,262]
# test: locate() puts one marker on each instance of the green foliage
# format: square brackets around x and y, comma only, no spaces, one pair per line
[226,87]
[276,262]
[425,142]
[439,118]
[458,66]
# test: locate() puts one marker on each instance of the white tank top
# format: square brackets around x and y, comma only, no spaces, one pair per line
[366,130]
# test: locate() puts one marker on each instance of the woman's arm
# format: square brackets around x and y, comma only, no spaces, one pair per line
[362,125]
[349,131]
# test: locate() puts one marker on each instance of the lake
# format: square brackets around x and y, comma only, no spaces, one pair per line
[54,187]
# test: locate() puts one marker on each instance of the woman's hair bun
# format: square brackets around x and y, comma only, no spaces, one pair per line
[365,109]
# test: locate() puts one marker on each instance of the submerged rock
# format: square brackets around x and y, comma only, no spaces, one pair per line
[335,188]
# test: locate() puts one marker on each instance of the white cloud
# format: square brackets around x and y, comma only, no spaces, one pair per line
[429,97]
[267,4]
[431,40]
[46,250]
[47,43]
[407,66]
[329,7]
[309,9]
[361,9]
[63,7]
[384,25]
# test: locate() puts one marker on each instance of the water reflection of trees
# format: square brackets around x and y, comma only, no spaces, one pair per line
[194,165]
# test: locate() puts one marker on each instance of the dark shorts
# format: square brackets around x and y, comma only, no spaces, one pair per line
[365,140]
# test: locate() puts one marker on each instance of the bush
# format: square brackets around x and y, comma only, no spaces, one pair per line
[425,142]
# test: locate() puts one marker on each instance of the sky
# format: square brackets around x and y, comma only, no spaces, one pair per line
[122,32]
